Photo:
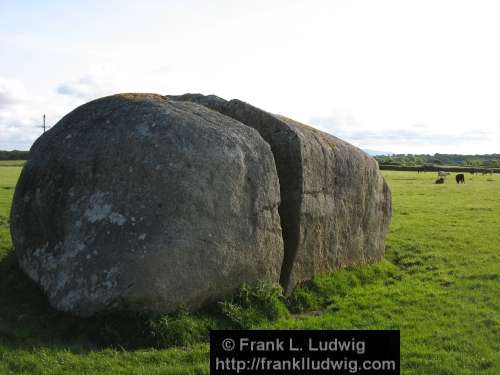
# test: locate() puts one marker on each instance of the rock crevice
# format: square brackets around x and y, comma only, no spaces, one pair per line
[335,206]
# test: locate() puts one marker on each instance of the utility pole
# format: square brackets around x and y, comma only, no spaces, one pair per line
[44,124]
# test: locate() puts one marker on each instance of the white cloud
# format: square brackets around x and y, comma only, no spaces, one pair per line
[416,138]
[21,114]
[83,88]
[403,76]
[11,93]
[17,121]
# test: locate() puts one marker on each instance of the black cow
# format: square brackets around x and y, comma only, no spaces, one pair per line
[460,178]
[440,180]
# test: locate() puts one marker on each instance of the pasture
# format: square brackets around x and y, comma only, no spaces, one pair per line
[439,284]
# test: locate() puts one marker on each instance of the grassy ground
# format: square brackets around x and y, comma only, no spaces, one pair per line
[439,285]
[12,163]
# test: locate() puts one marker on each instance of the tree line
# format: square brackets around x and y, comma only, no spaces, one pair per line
[408,160]
[404,160]
[13,155]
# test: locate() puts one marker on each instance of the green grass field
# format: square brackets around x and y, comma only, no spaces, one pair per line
[439,284]
[12,163]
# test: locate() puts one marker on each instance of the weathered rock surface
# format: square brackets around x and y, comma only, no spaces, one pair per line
[148,203]
[336,206]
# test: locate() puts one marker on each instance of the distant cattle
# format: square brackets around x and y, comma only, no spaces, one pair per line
[442,174]
[487,171]
[440,180]
[460,178]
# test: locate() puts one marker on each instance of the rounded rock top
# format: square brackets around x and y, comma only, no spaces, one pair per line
[144,202]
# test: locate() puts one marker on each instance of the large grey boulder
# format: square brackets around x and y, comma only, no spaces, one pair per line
[335,205]
[155,203]
[141,202]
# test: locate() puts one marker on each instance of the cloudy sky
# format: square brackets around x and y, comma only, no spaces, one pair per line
[394,75]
